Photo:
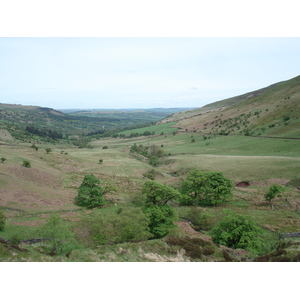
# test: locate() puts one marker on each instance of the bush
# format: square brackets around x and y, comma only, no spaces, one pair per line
[60,238]
[161,218]
[150,174]
[200,218]
[3,159]
[2,221]
[125,225]
[238,231]
[26,164]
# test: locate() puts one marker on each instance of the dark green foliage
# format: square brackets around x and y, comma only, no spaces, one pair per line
[105,147]
[33,146]
[159,194]
[82,142]
[150,174]
[3,159]
[275,190]
[186,200]
[100,161]
[90,193]
[162,218]
[2,221]
[238,231]
[44,132]
[201,219]
[207,188]
[154,161]
[60,238]
[48,150]
[26,164]
[125,225]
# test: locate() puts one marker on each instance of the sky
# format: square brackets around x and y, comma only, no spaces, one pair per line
[140,72]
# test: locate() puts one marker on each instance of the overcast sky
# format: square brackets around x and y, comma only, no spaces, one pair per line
[140,72]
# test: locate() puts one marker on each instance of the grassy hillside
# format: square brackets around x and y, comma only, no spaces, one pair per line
[271,111]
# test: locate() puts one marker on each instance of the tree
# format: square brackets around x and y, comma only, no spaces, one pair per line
[159,194]
[274,190]
[48,150]
[2,221]
[217,188]
[90,193]
[162,218]
[193,185]
[161,215]
[60,238]
[100,161]
[3,159]
[206,188]
[238,231]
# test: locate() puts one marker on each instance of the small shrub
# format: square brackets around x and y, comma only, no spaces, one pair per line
[26,164]
[195,253]
[208,250]
[100,161]
[227,256]
[48,150]
[2,221]
[105,147]
[3,159]
[150,174]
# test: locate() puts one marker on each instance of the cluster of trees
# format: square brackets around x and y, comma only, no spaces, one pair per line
[153,152]
[44,132]
[198,188]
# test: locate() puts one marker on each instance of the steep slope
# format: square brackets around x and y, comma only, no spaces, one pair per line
[271,111]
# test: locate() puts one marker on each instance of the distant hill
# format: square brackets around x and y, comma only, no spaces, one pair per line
[270,111]
[18,120]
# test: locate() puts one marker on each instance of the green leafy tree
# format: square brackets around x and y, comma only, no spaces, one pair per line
[218,188]
[90,193]
[206,188]
[159,194]
[275,190]
[60,238]
[238,231]
[3,159]
[162,218]
[193,185]
[100,161]
[2,221]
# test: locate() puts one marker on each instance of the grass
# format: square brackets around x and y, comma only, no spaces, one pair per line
[166,128]
[51,184]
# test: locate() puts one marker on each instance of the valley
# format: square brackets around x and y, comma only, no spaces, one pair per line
[235,137]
